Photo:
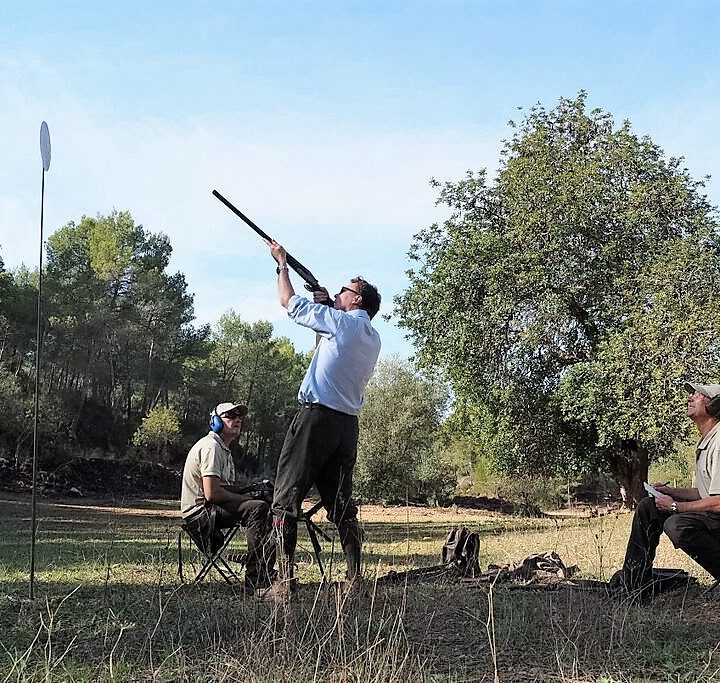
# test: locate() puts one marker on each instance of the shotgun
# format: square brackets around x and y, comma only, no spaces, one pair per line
[311,283]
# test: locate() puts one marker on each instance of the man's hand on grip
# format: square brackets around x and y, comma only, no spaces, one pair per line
[321,296]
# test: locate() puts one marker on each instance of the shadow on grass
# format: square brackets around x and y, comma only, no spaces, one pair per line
[85,539]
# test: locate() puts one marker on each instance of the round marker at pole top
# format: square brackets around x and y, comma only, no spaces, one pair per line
[45,145]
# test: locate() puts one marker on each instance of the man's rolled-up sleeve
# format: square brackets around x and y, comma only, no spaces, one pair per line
[317,317]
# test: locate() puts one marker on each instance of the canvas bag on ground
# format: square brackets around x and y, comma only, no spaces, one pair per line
[461,550]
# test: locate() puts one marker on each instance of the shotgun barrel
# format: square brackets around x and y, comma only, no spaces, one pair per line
[311,283]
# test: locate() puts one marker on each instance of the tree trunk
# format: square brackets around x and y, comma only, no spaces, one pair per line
[5,329]
[629,464]
[146,388]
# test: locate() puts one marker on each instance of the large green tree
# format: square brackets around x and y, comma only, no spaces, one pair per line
[120,354]
[18,313]
[566,299]
[117,330]
[18,306]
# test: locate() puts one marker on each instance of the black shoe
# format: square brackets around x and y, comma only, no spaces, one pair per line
[665,580]
[648,585]
[623,585]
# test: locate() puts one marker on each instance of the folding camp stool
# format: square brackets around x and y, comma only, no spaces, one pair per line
[313,531]
[211,560]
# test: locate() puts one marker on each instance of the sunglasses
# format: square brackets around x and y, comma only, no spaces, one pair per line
[233,414]
[347,289]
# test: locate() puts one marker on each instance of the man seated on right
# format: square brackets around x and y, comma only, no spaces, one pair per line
[689,516]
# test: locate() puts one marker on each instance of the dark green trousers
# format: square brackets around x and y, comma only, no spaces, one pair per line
[254,516]
[696,533]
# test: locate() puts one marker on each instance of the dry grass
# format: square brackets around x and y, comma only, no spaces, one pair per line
[109,607]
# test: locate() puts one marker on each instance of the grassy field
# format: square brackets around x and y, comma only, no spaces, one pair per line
[109,607]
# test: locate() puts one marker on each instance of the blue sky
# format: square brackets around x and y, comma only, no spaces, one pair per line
[323,121]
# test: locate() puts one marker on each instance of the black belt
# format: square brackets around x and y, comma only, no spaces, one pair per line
[320,406]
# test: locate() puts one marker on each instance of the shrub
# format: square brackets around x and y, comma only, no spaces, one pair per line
[159,429]
[530,494]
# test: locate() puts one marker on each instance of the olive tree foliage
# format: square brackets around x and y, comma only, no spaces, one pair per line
[566,300]
[399,423]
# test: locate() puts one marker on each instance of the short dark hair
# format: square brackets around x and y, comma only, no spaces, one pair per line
[370,296]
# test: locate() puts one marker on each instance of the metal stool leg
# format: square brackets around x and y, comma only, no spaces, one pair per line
[313,531]
[214,560]
[180,559]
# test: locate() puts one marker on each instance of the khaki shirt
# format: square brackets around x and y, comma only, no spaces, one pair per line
[209,457]
[707,464]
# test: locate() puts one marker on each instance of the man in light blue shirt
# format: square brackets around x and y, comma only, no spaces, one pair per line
[320,447]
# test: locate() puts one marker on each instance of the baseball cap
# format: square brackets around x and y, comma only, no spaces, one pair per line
[223,408]
[709,390]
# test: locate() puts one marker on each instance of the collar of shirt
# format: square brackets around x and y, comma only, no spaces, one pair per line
[219,440]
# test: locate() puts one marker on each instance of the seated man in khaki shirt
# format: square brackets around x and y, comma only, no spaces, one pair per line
[208,469]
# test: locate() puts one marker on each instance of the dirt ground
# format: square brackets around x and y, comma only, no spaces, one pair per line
[161,508]
[395,514]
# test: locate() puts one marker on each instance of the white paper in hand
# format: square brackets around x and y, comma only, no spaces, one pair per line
[651,490]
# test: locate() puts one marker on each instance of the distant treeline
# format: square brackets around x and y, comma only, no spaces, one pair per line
[124,371]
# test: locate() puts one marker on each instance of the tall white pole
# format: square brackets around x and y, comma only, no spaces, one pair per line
[45,153]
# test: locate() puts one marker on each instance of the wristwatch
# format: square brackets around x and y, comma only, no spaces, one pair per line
[673,507]
[279,268]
